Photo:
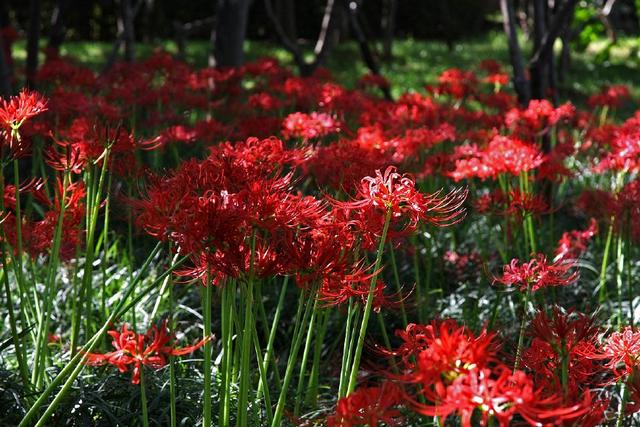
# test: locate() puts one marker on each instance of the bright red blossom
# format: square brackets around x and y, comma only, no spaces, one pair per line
[537,274]
[151,349]
[369,406]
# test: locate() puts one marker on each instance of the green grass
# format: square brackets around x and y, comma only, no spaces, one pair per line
[415,64]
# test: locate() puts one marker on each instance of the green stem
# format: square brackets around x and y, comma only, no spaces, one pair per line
[247,337]
[272,333]
[396,278]
[172,368]
[564,373]
[602,298]
[37,376]
[346,350]
[523,323]
[312,389]
[228,301]
[22,365]
[305,357]
[619,273]
[206,308]
[367,309]
[623,403]
[293,354]
[143,399]
[263,376]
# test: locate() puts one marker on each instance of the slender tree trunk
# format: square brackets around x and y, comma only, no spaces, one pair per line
[365,50]
[328,37]
[231,29]
[520,81]
[538,70]
[389,27]
[127,29]
[57,32]
[120,39]
[33,40]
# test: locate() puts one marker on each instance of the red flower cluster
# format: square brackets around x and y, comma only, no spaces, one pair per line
[150,349]
[503,155]
[394,195]
[537,274]
[447,370]
[574,243]
[610,96]
[309,126]
[368,406]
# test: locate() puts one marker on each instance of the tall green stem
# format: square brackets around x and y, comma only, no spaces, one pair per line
[272,333]
[37,376]
[143,399]
[293,354]
[305,356]
[206,308]
[523,323]
[619,274]
[602,294]
[367,309]
[396,277]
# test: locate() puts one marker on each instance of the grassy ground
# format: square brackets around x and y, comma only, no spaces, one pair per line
[416,62]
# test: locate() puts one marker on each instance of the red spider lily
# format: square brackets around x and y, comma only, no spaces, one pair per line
[309,126]
[503,155]
[343,164]
[623,153]
[622,349]
[338,289]
[610,96]
[18,109]
[437,353]
[515,204]
[457,83]
[521,203]
[537,117]
[369,406]
[499,393]
[37,236]
[563,338]
[396,195]
[497,79]
[537,274]
[264,101]
[574,243]
[150,349]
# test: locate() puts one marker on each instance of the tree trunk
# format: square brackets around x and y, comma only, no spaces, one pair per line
[520,81]
[56,35]
[127,29]
[327,37]
[33,39]
[538,69]
[230,32]
[365,50]
[389,27]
